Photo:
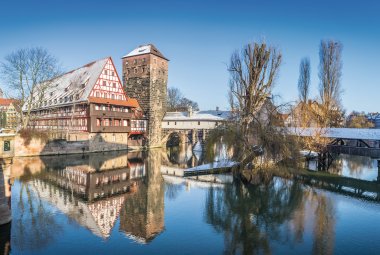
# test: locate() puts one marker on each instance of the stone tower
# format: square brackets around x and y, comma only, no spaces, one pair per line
[145,77]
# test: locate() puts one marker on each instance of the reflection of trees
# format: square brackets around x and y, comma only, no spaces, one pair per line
[324,226]
[35,227]
[172,190]
[253,216]
[250,216]
[356,165]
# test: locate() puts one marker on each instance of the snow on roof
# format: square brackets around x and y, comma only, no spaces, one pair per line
[73,86]
[198,116]
[344,133]
[145,49]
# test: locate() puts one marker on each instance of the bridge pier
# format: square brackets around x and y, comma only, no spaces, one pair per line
[5,191]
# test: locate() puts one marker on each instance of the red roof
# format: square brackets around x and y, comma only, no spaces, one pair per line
[6,101]
[131,102]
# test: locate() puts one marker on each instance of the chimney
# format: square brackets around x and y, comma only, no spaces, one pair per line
[190,111]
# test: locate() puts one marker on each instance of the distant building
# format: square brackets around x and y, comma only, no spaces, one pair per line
[145,77]
[9,116]
[204,120]
[87,101]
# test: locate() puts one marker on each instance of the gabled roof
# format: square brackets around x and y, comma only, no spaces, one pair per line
[145,49]
[76,82]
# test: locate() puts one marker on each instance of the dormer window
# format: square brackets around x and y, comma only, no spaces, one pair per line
[51,94]
[66,89]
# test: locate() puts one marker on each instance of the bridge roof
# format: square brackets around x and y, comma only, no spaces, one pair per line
[198,116]
[344,133]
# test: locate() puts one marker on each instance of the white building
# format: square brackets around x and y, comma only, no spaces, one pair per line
[195,119]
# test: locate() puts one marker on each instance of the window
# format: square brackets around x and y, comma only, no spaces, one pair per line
[175,122]
[113,73]
[135,70]
[51,94]
[125,123]
[143,60]
[168,123]
[199,123]
[55,100]
[98,122]
[120,97]
[105,72]
[135,61]
[7,145]
[143,70]
[97,107]
[104,83]
[106,122]
[126,63]
[97,94]
[114,84]
[105,95]
[113,96]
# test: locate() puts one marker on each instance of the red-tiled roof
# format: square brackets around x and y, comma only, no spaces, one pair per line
[130,102]
[6,101]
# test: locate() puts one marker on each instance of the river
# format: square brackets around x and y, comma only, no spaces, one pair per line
[121,203]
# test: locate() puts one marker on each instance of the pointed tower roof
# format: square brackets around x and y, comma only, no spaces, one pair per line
[145,49]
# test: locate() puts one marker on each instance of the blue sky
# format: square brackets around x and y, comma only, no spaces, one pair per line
[199,36]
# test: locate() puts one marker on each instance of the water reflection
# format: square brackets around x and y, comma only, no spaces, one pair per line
[117,201]
[253,217]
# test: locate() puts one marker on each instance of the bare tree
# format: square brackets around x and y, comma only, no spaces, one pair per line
[174,98]
[304,80]
[177,102]
[330,72]
[253,134]
[28,73]
[253,71]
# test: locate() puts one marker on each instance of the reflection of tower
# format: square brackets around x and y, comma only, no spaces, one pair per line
[142,217]
[145,76]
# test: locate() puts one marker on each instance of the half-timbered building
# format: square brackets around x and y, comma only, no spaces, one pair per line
[87,103]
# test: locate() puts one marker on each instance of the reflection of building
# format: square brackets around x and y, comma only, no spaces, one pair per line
[90,190]
[142,217]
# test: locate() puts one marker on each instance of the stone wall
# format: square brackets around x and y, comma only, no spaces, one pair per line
[96,142]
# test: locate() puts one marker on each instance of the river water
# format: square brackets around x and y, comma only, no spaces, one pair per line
[120,203]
